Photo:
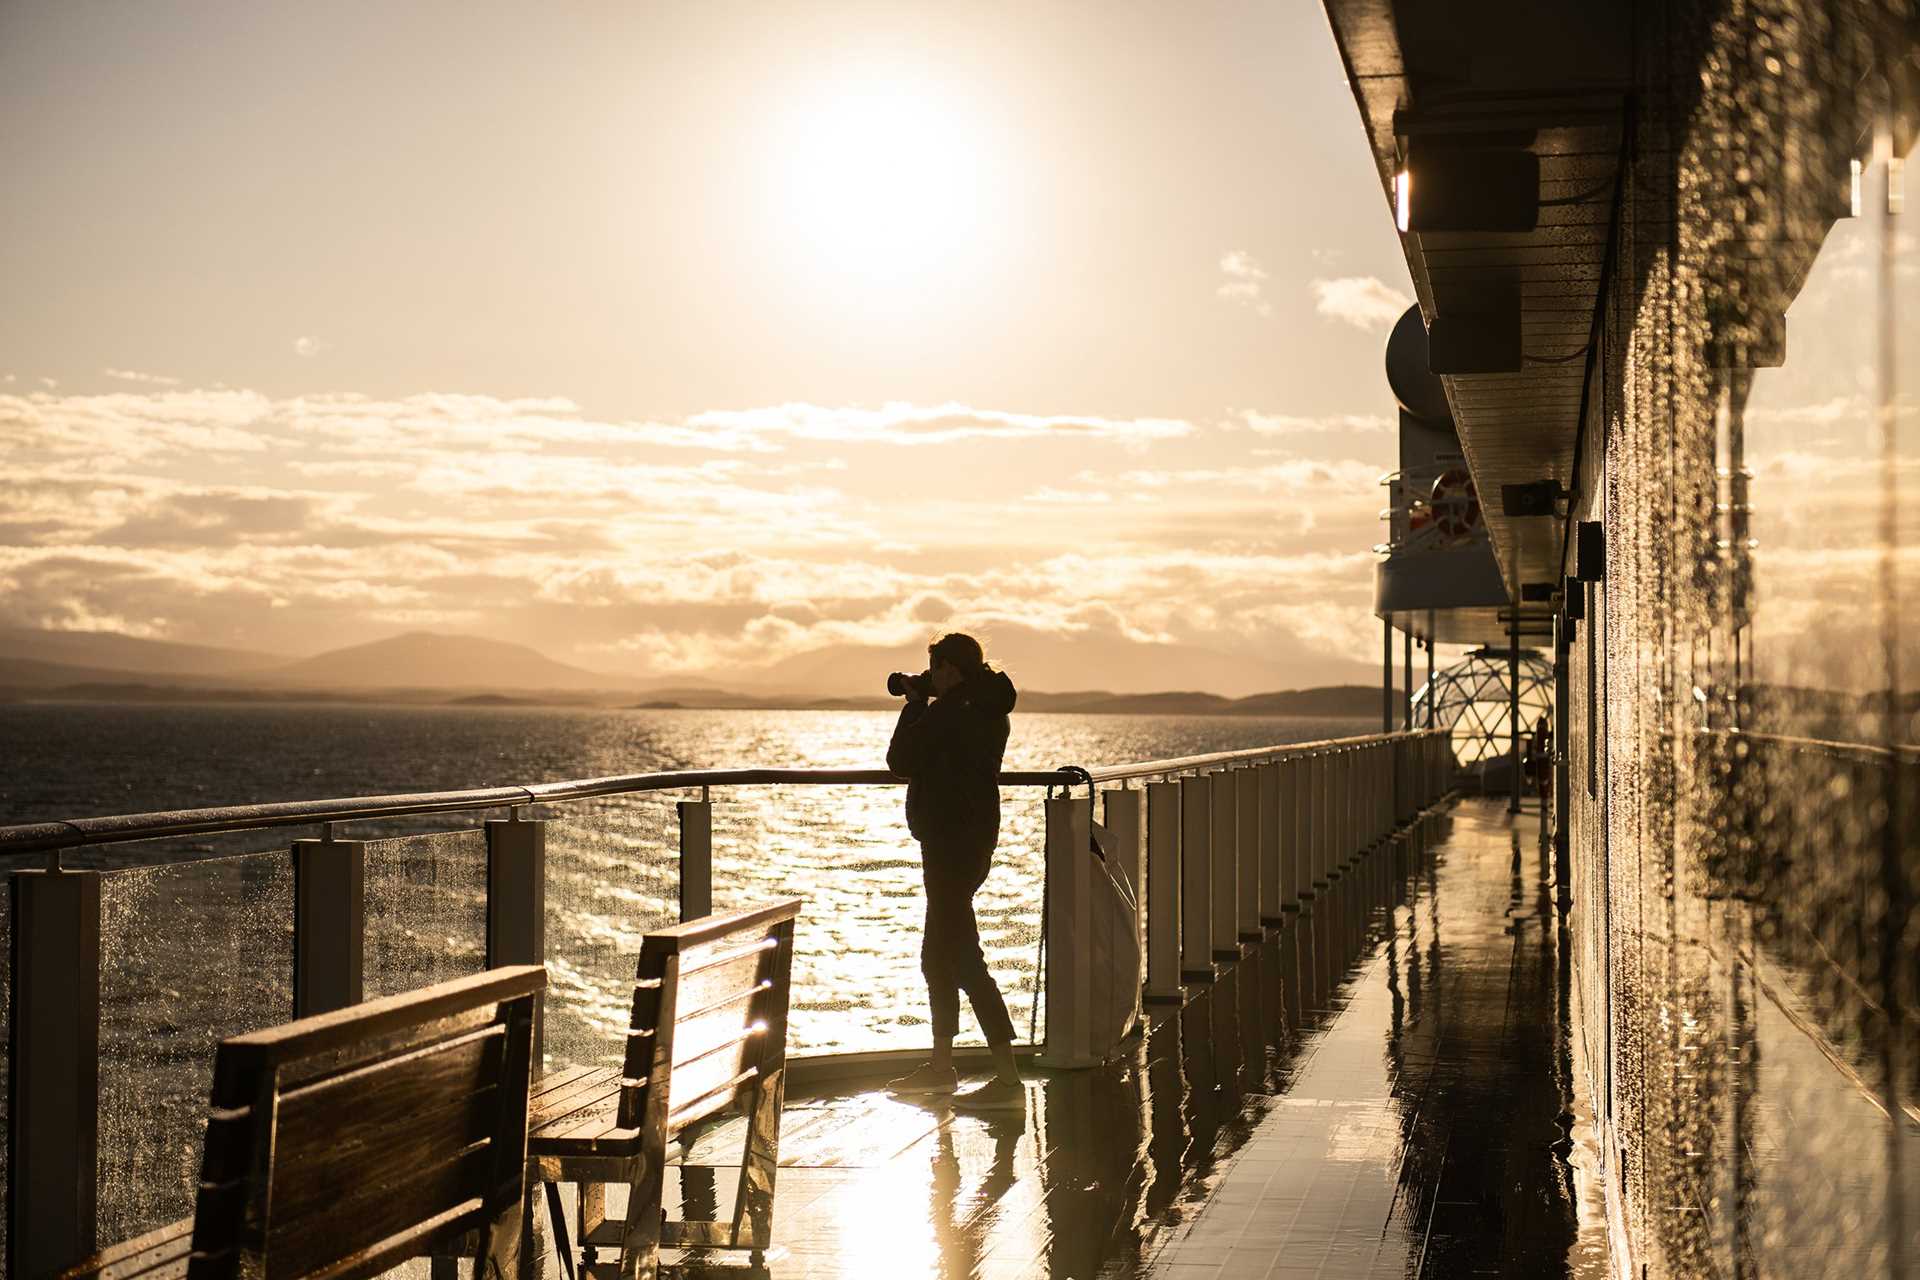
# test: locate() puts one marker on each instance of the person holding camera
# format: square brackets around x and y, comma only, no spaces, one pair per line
[948,744]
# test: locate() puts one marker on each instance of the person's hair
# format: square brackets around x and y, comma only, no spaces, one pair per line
[958,649]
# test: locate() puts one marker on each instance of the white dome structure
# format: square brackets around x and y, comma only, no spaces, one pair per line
[1470,698]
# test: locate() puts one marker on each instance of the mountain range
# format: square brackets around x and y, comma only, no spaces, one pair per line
[473,670]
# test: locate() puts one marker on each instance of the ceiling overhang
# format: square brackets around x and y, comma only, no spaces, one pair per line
[1552,76]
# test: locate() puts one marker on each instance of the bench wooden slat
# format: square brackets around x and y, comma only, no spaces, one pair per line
[556,1080]
[585,1091]
[333,1148]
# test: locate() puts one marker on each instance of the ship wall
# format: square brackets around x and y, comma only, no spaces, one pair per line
[1741,691]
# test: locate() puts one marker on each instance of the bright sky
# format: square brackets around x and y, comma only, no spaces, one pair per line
[675,337]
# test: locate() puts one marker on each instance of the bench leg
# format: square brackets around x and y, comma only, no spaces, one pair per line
[759,1162]
[640,1235]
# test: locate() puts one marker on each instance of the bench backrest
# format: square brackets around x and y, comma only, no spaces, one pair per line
[339,1144]
[709,1015]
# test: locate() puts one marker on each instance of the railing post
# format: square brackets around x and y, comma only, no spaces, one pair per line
[1338,817]
[53,1099]
[517,905]
[1069,933]
[1271,903]
[696,858]
[1296,878]
[1225,856]
[1246,794]
[329,925]
[1196,879]
[1121,812]
[1163,891]
[1320,814]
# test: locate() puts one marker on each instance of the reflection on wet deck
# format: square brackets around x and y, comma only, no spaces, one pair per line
[1381,1088]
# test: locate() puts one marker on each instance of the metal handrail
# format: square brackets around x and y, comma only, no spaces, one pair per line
[50,837]
[1858,752]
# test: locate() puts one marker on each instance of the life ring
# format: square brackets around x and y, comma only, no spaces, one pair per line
[1455,504]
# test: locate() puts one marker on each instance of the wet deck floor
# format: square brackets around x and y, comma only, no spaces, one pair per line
[1383,1088]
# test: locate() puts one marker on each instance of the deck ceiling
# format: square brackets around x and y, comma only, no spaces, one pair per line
[1551,76]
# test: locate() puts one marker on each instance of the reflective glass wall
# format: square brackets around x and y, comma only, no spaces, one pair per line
[1743,690]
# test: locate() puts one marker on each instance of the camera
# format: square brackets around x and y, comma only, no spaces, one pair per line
[902,685]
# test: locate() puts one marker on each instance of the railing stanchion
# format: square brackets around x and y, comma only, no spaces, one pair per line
[1069,934]
[1246,796]
[517,905]
[53,1099]
[329,925]
[1295,878]
[696,858]
[1163,891]
[1224,854]
[1271,903]
[1123,812]
[1196,879]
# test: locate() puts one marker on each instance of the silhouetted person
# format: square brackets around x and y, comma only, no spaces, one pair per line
[948,744]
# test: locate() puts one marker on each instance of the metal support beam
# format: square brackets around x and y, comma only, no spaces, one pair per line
[53,1103]
[1430,643]
[1386,675]
[1406,673]
[1513,696]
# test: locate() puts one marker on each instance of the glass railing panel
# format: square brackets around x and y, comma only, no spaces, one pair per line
[613,873]
[847,853]
[426,905]
[189,954]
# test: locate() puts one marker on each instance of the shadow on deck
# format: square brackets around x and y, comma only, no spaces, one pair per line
[1383,1087]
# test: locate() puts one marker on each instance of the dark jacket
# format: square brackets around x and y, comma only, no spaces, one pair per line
[949,750]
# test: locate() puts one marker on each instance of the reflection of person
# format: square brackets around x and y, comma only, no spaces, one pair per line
[949,749]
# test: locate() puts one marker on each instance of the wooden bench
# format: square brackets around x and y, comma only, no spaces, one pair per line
[708,1036]
[340,1144]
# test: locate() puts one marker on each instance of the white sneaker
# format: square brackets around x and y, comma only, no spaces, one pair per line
[926,1078]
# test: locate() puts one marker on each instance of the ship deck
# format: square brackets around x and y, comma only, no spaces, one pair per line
[1385,1087]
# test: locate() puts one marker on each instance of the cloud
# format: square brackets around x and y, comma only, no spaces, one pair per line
[901,423]
[131,375]
[728,538]
[1245,280]
[1365,302]
[1286,424]
[307,346]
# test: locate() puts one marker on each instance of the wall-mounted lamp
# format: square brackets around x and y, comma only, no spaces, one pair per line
[1535,498]
[1452,188]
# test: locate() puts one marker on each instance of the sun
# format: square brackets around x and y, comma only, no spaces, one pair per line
[886,184]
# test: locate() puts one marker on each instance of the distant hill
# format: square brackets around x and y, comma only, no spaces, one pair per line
[1041,660]
[110,651]
[424,660]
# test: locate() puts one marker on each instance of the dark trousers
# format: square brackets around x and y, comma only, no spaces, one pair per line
[950,954]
